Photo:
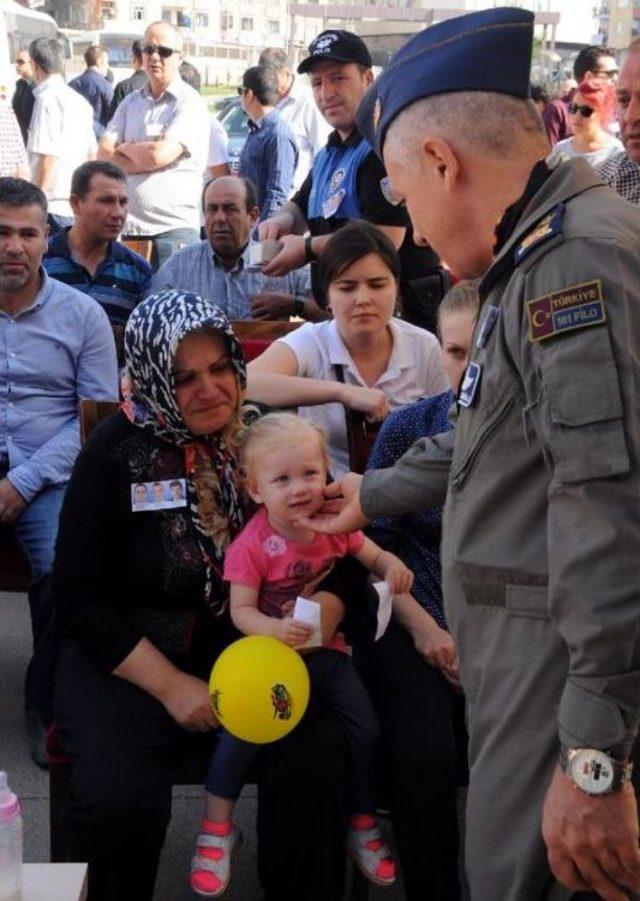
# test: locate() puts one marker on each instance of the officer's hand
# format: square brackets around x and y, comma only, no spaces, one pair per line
[592,842]
[292,256]
[12,502]
[341,511]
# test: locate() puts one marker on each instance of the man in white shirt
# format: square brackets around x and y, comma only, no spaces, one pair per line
[61,135]
[298,109]
[159,135]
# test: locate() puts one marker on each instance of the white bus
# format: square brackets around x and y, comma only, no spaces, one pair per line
[18,27]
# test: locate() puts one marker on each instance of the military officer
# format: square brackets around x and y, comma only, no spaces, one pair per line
[542,527]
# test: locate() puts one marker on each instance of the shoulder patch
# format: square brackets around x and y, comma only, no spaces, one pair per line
[577,306]
[548,227]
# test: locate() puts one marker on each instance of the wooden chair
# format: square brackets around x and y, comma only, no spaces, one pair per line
[142,246]
[255,335]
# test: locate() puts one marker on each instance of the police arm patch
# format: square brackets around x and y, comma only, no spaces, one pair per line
[575,307]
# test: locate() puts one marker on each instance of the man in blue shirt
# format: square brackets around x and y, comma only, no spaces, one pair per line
[57,347]
[270,153]
[94,86]
[87,255]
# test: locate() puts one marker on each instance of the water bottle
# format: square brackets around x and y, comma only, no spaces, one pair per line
[10,843]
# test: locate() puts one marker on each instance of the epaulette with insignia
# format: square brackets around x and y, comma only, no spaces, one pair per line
[548,227]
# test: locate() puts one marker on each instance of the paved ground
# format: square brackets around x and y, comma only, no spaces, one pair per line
[31,783]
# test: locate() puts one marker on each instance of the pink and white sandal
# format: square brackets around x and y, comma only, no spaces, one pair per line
[371,855]
[211,864]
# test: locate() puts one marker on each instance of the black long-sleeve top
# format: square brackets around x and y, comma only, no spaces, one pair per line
[121,575]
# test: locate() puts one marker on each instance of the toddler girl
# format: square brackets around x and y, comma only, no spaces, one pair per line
[272,562]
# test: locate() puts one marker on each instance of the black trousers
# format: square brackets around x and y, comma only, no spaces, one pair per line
[335,680]
[125,751]
[421,728]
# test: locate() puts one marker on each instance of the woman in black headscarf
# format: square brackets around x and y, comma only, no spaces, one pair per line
[140,597]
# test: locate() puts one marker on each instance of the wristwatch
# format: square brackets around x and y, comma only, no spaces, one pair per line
[594,772]
[308,249]
[298,307]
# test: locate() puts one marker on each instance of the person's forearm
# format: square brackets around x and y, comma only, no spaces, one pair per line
[312,312]
[45,169]
[148,669]
[290,390]
[292,219]
[250,621]
[151,155]
[413,618]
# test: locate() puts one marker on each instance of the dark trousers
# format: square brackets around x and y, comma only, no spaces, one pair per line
[420,720]
[125,751]
[335,681]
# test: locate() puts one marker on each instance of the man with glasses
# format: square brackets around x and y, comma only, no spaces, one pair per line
[159,136]
[23,99]
[595,61]
[622,171]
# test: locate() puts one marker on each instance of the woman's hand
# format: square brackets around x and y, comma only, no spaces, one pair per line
[292,632]
[436,646]
[370,401]
[186,700]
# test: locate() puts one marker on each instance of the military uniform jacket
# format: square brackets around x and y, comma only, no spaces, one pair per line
[543,478]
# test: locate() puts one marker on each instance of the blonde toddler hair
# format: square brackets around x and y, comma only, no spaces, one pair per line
[271,432]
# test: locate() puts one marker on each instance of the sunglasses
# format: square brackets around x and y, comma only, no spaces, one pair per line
[584,110]
[241,91]
[163,52]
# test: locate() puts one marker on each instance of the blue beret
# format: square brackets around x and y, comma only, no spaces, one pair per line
[483,51]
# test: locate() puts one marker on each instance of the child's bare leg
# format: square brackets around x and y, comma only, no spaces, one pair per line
[331,613]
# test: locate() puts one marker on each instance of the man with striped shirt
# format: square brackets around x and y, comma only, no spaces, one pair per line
[220,269]
[87,255]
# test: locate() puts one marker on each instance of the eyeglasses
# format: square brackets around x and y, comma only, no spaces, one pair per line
[163,52]
[607,73]
[388,193]
[584,110]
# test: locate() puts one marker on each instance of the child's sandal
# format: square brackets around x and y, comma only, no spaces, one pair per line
[211,864]
[371,855]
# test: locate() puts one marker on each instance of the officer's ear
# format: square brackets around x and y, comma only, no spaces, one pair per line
[440,160]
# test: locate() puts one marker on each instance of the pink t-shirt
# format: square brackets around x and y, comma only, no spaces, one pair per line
[278,567]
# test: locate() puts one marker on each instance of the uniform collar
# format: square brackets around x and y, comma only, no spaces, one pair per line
[567,180]
[352,141]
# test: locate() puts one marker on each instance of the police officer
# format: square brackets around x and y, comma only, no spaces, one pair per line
[541,528]
[345,179]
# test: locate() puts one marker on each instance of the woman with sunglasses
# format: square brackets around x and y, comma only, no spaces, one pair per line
[591,111]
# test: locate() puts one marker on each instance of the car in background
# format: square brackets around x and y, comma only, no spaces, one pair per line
[234,122]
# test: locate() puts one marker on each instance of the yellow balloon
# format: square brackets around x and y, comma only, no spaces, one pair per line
[259,689]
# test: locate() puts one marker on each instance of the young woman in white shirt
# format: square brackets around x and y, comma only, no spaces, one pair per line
[364,344]
[592,110]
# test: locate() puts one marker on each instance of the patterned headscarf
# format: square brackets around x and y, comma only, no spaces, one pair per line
[151,339]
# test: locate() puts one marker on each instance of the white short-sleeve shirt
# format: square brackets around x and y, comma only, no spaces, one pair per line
[61,127]
[415,370]
[166,198]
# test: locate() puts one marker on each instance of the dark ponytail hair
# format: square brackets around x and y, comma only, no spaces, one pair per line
[353,242]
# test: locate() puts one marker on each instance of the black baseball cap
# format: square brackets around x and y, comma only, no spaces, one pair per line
[337,45]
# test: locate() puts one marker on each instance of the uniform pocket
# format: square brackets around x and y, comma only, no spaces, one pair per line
[585,415]
[528,600]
